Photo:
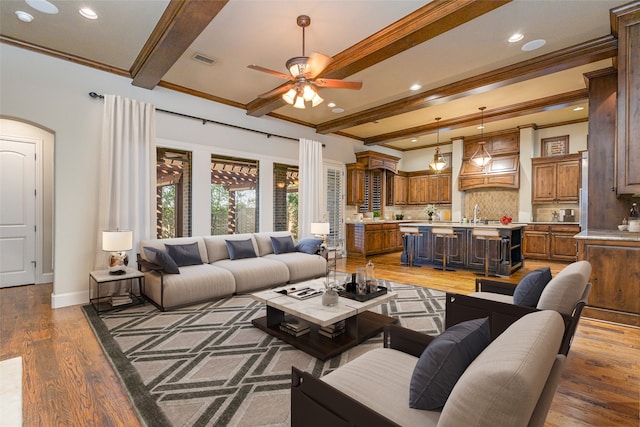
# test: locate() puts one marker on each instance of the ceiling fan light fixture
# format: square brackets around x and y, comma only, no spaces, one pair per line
[308,92]
[317,100]
[290,96]
[299,103]
[297,65]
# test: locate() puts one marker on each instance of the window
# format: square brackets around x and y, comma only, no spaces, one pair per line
[285,198]
[234,195]
[173,193]
[334,205]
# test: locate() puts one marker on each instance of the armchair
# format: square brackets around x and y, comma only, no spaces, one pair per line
[512,382]
[566,293]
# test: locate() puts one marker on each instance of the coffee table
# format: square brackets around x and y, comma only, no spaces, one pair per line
[360,323]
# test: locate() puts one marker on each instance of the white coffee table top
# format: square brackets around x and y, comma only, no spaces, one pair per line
[312,309]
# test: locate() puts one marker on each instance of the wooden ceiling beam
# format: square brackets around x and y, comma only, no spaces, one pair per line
[425,23]
[503,113]
[180,24]
[574,56]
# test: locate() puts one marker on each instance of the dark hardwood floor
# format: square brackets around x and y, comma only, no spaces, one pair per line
[69,382]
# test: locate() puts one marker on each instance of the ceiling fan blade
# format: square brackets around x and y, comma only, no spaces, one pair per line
[277,91]
[268,71]
[340,84]
[317,62]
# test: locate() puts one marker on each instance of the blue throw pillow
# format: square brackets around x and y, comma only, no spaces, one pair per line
[239,249]
[444,361]
[308,245]
[530,287]
[187,254]
[282,245]
[160,257]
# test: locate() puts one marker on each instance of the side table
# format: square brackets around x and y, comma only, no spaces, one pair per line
[104,302]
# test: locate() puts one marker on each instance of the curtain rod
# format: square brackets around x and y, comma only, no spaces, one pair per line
[205,121]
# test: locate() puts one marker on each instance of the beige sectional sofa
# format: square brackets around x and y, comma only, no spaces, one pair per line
[220,276]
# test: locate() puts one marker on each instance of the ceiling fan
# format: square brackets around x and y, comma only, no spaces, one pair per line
[303,82]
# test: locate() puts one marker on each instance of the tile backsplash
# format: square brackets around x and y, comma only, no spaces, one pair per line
[493,204]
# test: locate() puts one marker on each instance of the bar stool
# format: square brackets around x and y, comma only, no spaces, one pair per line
[410,236]
[488,235]
[447,234]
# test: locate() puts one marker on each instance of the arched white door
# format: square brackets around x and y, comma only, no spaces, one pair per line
[17,211]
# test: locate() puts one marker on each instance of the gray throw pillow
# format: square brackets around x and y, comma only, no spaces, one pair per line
[308,245]
[530,287]
[161,258]
[239,249]
[282,244]
[187,254]
[444,361]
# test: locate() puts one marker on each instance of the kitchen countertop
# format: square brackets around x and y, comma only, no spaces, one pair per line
[600,234]
[464,225]
[553,223]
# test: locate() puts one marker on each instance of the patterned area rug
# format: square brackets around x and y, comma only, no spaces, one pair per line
[207,365]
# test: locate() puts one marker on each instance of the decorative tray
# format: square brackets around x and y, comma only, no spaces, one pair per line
[363,297]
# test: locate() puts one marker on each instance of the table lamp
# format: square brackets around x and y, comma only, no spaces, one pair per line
[321,229]
[117,243]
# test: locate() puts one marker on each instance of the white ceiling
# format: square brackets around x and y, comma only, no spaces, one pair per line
[264,32]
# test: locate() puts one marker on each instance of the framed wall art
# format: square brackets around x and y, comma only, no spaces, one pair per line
[556,146]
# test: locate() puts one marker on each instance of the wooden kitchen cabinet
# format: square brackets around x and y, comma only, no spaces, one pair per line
[355,184]
[439,189]
[397,190]
[550,241]
[556,179]
[377,237]
[418,190]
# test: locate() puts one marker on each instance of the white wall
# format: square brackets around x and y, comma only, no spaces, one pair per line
[53,93]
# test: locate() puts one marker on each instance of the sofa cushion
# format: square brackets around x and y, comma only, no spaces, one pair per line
[195,283]
[282,245]
[301,266]
[185,254]
[444,361]
[161,244]
[379,380]
[530,287]
[566,289]
[255,273]
[503,384]
[239,249]
[161,258]
[263,241]
[308,245]
[216,246]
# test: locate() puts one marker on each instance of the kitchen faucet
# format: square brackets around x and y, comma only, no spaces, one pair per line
[476,210]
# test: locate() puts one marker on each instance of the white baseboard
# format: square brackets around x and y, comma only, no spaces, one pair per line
[69,298]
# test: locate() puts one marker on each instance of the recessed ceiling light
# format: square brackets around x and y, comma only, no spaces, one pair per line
[578,109]
[414,140]
[338,110]
[24,16]
[533,45]
[415,87]
[43,6]
[480,127]
[88,13]
[516,37]
[331,104]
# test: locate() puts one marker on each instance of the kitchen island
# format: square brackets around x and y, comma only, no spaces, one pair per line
[467,252]
[615,274]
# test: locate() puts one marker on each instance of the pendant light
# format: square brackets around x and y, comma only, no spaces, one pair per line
[438,161]
[481,158]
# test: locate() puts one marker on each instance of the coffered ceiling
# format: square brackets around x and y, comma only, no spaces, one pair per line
[456,50]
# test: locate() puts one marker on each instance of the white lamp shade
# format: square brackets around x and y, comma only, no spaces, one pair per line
[117,241]
[320,228]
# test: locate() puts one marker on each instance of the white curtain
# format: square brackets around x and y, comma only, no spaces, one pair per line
[310,186]
[127,172]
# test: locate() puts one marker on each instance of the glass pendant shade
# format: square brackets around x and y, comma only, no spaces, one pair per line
[316,100]
[299,103]
[290,96]
[297,65]
[438,162]
[308,92]
[481,157]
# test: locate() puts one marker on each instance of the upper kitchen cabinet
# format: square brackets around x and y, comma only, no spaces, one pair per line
[556,179]
[355,184]
[374,160]
[504,169]
[627,26]
[397,189]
